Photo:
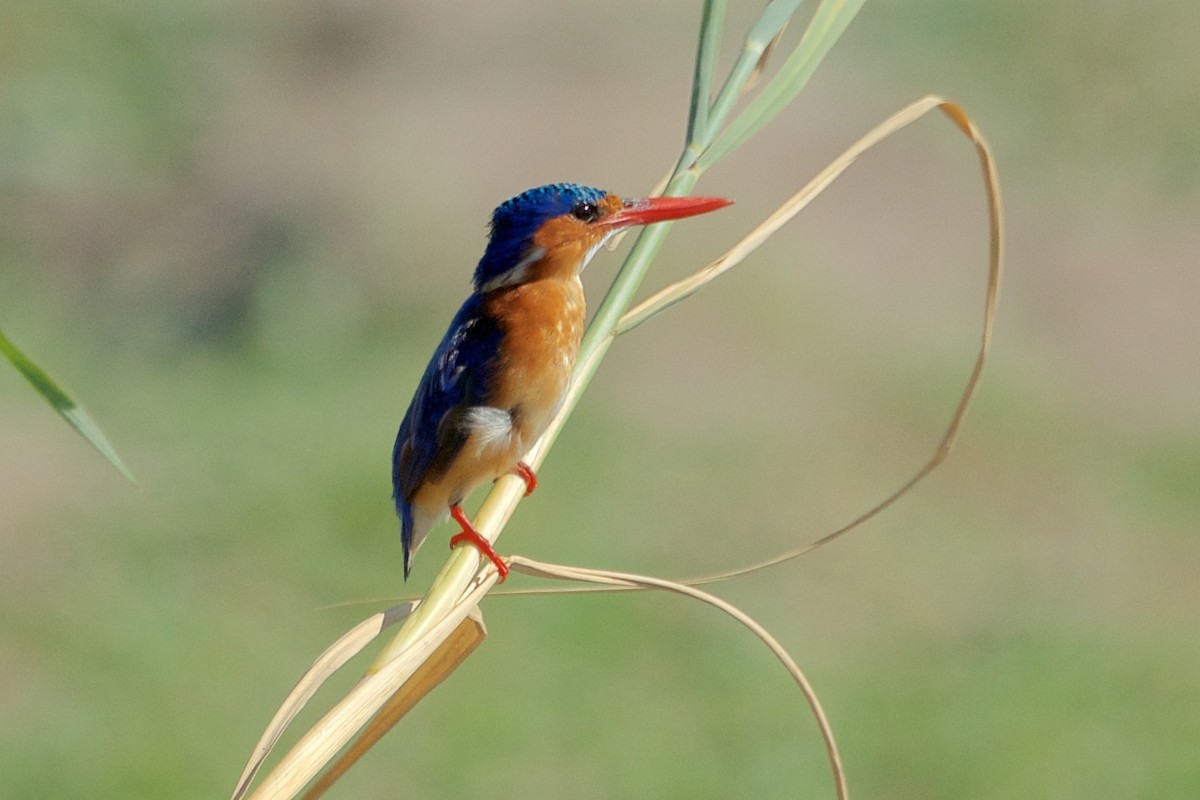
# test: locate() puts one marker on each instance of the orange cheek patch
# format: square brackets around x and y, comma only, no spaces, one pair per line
[565,231]
[565,240]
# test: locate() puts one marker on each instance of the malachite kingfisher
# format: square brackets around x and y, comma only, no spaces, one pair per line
[502,369]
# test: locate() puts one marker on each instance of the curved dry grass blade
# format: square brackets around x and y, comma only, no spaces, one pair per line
[331,733]
[630,580]
[469,634]
[329,662]
[676,292]
[54,394]
[995,274]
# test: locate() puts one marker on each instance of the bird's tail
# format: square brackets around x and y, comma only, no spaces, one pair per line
[406,538]
[415,524]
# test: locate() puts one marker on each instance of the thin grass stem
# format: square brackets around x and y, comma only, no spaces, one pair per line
[760,36]
[827,25]
[711,19]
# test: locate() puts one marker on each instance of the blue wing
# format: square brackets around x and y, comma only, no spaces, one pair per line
[458,376]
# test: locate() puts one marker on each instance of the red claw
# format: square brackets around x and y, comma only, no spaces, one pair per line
[528,475]
[473,537]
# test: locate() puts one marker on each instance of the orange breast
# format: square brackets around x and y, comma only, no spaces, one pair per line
[543,323]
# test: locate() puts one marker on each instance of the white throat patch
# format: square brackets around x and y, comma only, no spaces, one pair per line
[596,248]
[515,275]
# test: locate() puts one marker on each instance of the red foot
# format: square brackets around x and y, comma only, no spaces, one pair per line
[474,538]
[527,474]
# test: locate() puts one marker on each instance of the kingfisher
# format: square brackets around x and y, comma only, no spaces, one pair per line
[502,370]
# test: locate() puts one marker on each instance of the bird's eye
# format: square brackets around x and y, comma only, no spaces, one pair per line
[586,212]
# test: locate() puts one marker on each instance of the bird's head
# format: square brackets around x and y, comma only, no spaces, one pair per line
[557,228]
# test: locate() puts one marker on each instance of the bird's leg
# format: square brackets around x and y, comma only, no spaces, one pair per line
[528,475]
[475,538]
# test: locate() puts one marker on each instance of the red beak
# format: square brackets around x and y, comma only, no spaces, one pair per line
[661,209]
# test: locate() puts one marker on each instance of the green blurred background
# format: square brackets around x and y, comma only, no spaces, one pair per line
[236,232]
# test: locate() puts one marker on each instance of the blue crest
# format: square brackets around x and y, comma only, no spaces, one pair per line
[516,220]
